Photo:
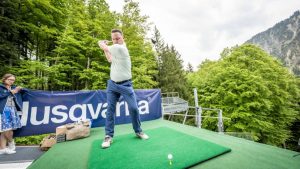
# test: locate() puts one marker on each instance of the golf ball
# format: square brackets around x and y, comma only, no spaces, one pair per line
[170,156]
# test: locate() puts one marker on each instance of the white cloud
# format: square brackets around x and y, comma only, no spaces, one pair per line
[201,29]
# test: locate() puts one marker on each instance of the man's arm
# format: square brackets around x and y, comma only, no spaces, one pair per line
[104,47]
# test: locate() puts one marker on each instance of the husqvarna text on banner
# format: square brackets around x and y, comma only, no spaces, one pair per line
[44,111]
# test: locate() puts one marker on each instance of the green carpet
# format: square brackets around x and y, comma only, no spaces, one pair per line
[244,153]
[127,151]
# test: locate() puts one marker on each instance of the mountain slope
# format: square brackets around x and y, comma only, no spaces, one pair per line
[282,41]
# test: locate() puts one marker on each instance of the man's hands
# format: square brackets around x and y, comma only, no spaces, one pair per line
[103,45]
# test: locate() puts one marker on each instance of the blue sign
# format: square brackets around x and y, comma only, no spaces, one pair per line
[44,111]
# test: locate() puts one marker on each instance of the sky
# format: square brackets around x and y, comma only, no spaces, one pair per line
[201,29]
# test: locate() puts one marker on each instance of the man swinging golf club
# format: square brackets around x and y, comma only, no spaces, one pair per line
[119,84]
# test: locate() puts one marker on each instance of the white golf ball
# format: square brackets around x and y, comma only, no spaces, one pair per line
[170,156]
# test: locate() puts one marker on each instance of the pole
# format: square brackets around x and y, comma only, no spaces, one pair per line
[198,111]
[220,122]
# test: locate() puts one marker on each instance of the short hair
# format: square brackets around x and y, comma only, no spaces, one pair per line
[116,30]
[6,76]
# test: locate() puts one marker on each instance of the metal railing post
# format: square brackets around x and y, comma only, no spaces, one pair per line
[199,117]
[220,122]
[197,112]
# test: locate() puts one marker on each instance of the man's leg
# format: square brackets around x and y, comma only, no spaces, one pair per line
[112,98]
[130,98]
[127,92]
[133,111]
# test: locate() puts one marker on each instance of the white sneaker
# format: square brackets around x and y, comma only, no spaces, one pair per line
[142,136]
[12,145]
[7,151]
[106,142]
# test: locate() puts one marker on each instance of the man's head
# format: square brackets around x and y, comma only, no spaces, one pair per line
[117,36]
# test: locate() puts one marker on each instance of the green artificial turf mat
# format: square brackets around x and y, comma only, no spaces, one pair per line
[127,151]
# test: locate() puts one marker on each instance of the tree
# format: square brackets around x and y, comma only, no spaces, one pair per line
[9,16]
[171,76]
[28,34]
[99,23]
[79,63]
[52,44]
[295,127]
[253,89]
[69,59]
[190,68]
[135,27]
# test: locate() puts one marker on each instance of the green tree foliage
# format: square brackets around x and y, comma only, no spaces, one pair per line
[8,33]
[190,68]
[78,61]
[292,143]
[135,28]
[253,89]
[32,74]
[171,76]
[30,140]
[99,25]
[52,44]
[159,46]
[27,30]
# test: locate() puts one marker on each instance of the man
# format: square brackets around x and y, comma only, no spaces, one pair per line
[119,84]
